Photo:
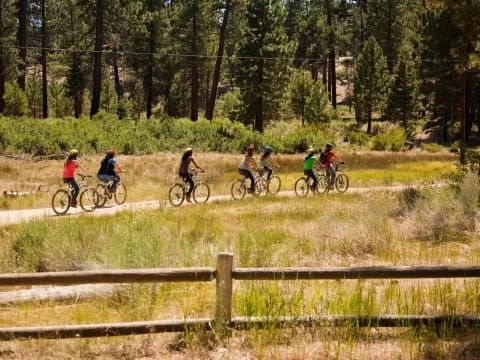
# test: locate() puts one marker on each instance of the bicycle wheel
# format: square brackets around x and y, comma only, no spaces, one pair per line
[238,190]
[89,199]
[102,195]
[201,193]
[322,185]
[176,194]
[61,202]
[120,194]
[341,183]
[261,187]
[302,187]
[274,185]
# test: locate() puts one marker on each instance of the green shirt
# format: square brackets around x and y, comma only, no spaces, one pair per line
[309,162]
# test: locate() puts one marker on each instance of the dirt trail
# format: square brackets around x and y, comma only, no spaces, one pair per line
[18,216]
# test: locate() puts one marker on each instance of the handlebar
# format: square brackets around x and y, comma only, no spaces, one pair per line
[83,176]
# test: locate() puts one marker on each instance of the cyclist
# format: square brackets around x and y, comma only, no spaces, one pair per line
[244,167]
[183,170]
[267,162]
[69,168]
[109,168]
[308,163]
[327,156]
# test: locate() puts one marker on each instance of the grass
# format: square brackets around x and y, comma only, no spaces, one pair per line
[358,229]
[149,177]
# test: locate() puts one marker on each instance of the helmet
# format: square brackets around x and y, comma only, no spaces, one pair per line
[73,152]
[310,150]
[329,145]
[110,152]
[251,148]
[188,149]
[268,148]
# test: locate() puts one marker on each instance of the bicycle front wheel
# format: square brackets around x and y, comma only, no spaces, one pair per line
[238,190]
[176,194]
[274,185]
[89,199]
[61,202]
[302,187]
[201,193]
[120,194]
[341,183]
[102,195]
[323,184]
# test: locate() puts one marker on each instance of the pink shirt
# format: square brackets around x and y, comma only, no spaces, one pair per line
[69,169]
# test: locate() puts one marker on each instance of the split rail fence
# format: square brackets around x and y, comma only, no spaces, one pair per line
[224,274]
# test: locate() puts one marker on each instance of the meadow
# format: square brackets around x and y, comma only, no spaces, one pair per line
[433,226]
[148,177]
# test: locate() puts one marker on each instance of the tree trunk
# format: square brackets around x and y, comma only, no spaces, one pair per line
[259,100]
[44,61]
[332,78]
[97,59]
[22,41]
[194,60]
[324,74]
[116,77]
[369,120]
[218,63]
[149,82]
[2,83]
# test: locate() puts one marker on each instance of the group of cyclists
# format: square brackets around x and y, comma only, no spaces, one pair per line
[109,168]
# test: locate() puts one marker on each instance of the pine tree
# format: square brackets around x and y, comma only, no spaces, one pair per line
[404,98]
[316,105]
[370,82]
[7,41]
[263,63]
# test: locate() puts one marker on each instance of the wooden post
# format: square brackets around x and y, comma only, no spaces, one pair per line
[223,311]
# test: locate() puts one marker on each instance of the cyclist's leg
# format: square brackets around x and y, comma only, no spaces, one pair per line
[249,176]
[188,178]
[76,189]
[311,174]
[331,175]
[269,171]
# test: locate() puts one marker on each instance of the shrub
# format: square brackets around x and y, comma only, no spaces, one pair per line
[15,100]
[432,147]
[393,140]
[358,138]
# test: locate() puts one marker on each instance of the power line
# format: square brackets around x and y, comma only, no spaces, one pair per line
[136,53]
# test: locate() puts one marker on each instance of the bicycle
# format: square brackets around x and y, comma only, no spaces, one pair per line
[88,197]
[239,187]
[304,184]
[109,190]
[201,191]
[273,183]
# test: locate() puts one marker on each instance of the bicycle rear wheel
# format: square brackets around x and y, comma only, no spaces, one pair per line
[102,195]
[238,190]
[323,184]
[341,183]
[89,199]
[274,185]
[61,202]
[201,193]
[176,194]
[302,187]
[120,194]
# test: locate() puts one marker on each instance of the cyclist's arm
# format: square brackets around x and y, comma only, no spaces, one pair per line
[196,165]
[274,163]
[337,159]
[117,167]
[82,168]
[253,163]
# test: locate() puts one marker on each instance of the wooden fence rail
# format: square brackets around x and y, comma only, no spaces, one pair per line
[224,275]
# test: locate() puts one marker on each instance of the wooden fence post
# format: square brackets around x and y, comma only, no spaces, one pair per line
[223,311]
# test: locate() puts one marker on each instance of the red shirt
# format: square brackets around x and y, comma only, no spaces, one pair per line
[69,169]
[330,155]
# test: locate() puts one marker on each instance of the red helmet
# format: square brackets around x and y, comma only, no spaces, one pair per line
[251,148]
[110,152]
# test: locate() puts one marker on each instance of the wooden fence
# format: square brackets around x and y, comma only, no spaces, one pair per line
[224,274]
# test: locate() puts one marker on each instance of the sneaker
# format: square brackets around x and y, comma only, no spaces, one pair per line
[73,204]
[250,191]
[188,199]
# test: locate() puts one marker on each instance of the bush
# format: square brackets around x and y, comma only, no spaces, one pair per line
[15,100]
[393,140]
[432,147]
[358,138]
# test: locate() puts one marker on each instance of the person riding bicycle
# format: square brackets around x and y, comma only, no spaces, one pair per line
[267,162]
[326,161]
[184,173]
[247,163]
[69,168]
[109,168]
[308,164]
